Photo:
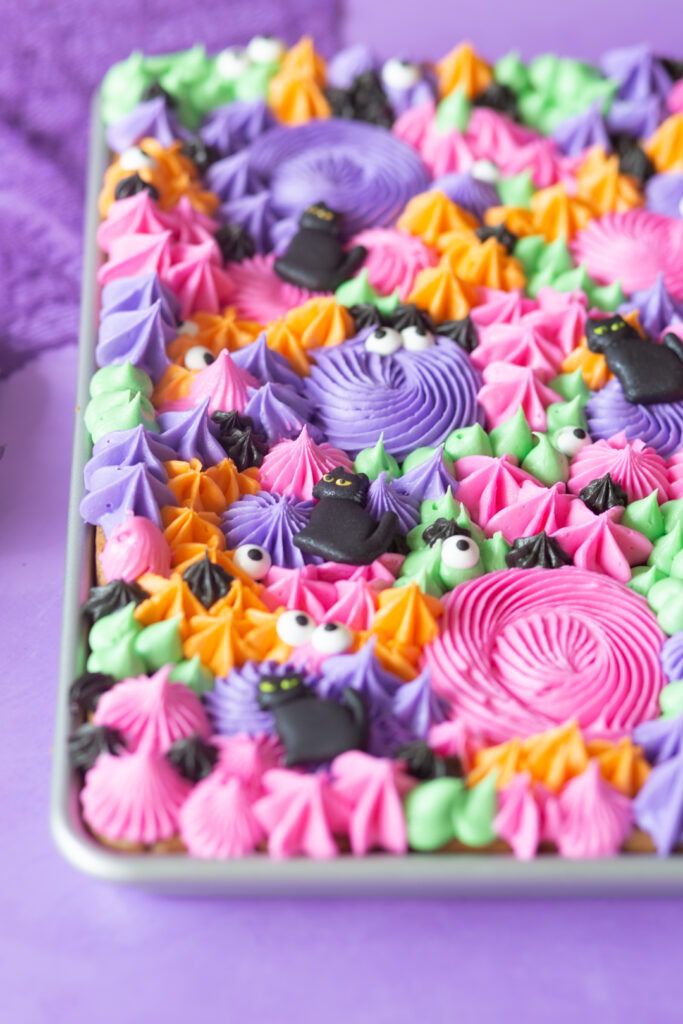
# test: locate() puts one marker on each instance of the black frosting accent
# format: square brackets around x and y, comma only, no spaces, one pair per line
[365,314]
[408,315]
[85,692]
[131,185]
[193,757]
[633,159]
[603,493]
[442,529]
[112,597]
[240,442]
[89,741]
[207,581]
[364,100]
[315,257]
[648,372]
[462,332]
[537,552]
[498,97]
[235,243]
[154,90]
[673,67]
[201,154]
[508,239]
[424,764]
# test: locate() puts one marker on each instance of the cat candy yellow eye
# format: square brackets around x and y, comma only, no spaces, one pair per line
[267,687]
[342,483]
[289,683]
[328,477]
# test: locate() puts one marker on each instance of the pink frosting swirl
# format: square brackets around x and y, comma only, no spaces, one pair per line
[134,547]
[394,259]
[294,467]
[637,468]
[524,650]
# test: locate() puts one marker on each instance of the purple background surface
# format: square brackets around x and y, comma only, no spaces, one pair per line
[75,949]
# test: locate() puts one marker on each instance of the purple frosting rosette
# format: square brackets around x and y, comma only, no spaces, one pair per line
[413,398]
[659,425]
[129,448]
[192,434]
[383,496]
[128,294]
[121,491]
[137,336]
[363,172]
[271,521]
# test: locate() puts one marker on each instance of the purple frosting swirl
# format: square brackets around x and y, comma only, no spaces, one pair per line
[266,364]
[429,480]
[139,337]
[128,294]
[414,398]
[121,491]
[383,496]
[232,177]
[279,412]
[363,172]
[659,425]
[192,435]
[657,309]
[664,194]
[469,192]
[129,448]
[672,657]
[235,125]
[151,119]
[254,213]
[658,807]
[271,521]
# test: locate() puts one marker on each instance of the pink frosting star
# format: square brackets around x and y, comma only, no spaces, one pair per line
[372,787]
[506,388]
[536,508]
[637,468]
[488,485]
[301,814]
[518,820]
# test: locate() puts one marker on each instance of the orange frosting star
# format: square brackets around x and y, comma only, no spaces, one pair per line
[442,294]
[603,187]
[407,615]
[281,338]
[622,764]
[174,384]
[462,68]
[319,323]
[295,93]
[172,174]
[486,264]
[431,214]
[216,332]
[665,147]
[168,598]
[184,525]
[556,213]
[301,60]
[211,490]
[515,218]
[218,640]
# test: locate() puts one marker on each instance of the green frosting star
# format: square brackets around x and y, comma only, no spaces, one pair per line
[118,410]
[512,437]
[567,414]
[643,579]
[516,190]
[453,112]
[112,645]
[430,811]
[645,516]
[193,674]
[467,441]
[160,644]
[671,700]
[666,548]
[375,460]
[545,462]
[571,385]
[666,600]
[358,291]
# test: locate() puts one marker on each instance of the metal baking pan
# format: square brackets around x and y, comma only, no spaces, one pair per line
[447,874]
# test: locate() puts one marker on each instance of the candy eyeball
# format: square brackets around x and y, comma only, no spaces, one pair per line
[295,628]
[384,341]
[232,62]
[265,50]
[460,552]
[198,358]
[485,170]
[400,74]
[570,440]
[416,339]
[331,638]
[135,159]
[188,327]
[252,560]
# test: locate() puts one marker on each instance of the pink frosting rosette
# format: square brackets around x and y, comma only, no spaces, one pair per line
[525,650]
[394,259]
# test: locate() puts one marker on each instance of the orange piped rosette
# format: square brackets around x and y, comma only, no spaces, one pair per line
[302,61]
[215,332]
[172,385]
[515,218]
[602,186]
[282,339]
[665,146]
[168,598]
[172,174]
[431,214]
[210,490]
[218,640]
[485,264]
[463,68]
[622,764]
[320,323]
[408,615]
[184,525]
[440,292]
[556,213]
[295,93]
